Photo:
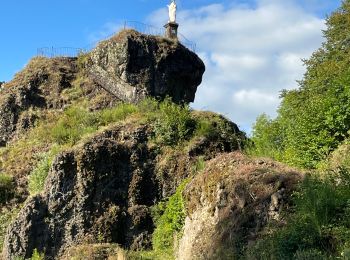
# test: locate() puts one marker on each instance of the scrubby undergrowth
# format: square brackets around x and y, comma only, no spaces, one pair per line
[311,131]
[178,132]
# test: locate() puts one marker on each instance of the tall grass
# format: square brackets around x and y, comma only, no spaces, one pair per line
[320,225]
[37,177]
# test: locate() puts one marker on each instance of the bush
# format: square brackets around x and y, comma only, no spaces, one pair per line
[6,188]
[320,225]
[174,123]
[37,256]
[267,139]
[171,222]
[313,120]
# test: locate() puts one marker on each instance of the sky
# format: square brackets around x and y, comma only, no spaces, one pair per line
[252,49]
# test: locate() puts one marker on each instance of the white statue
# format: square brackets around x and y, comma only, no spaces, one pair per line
[172,12]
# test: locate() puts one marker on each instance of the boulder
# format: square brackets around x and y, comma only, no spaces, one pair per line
[231,202]
[133,66]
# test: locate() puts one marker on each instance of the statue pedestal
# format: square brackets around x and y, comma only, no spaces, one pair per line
[171,30]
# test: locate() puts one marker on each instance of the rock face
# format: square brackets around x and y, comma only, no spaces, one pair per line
[133,66]
[98,193]
[128,67]
[230,203]
[38,86]
[102,190]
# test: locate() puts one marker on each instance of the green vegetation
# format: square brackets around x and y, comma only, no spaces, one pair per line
[6,188]
[312,131]
[174,123]
[150,255]
[38,176]
[313,120]
[58,130]
[37,256]
[199,165]
[169,225]
[320,225]
[6,217]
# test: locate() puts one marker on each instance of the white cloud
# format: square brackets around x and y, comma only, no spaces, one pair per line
[250,53]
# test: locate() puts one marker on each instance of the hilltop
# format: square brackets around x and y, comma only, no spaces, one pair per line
[102,158]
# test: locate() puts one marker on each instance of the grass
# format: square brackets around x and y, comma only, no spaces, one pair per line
[38,176]
[150,255]
[31,156]
[320,226]
[6,216]
[6,188]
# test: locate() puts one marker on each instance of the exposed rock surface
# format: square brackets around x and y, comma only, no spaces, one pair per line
[128,67]
[230,202]
[133,66]
[101,191]
[38,86]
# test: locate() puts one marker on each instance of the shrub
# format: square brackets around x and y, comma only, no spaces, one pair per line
[6,188]
[174,123]
[171,222]
[320,225]
[267,139]
[37,256]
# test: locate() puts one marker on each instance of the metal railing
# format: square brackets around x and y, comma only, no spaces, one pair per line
[144,28]
[52,52]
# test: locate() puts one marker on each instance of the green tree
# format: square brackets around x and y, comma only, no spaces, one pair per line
[315,119]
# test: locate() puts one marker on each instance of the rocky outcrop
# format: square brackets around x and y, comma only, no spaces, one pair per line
[38,86]
[100,192]
[230,202]
[133,66]
[128,67]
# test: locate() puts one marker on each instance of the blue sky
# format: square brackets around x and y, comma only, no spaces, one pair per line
[238,40]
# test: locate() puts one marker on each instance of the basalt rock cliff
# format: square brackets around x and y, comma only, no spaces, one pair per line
[121,158]
[128,67]
[132,66]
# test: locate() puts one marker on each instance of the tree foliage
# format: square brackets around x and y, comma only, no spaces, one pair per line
[314,119]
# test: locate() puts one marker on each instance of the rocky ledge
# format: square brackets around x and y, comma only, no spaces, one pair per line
[132,66]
